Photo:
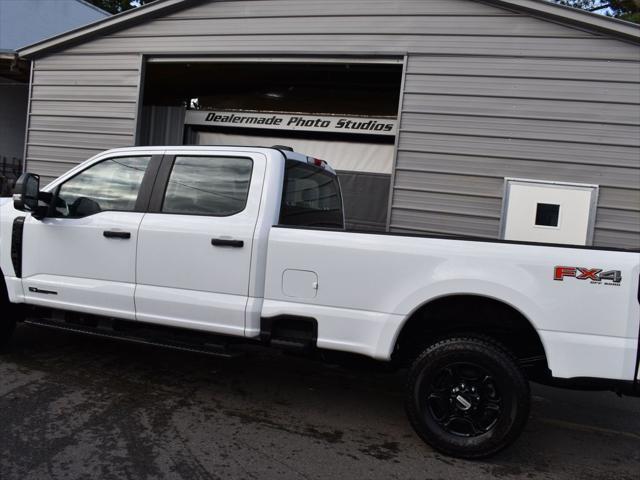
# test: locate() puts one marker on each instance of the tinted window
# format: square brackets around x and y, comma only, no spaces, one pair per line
[311,197]
[109,185]
[216,186]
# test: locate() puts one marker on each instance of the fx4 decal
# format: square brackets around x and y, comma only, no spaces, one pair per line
[596,275]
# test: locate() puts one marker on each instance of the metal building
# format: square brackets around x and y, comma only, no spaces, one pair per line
[512,118]
[23,23]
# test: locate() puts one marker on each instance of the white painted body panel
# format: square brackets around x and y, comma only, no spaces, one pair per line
[367,276]
[182,277]
[96,297]
[176,307]
[89,272]
[368,285]
[344,329]
[81,257]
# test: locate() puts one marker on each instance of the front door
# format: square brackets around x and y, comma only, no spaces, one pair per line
[82,256]
[194,246]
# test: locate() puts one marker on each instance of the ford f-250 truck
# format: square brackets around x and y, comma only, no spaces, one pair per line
[199,247]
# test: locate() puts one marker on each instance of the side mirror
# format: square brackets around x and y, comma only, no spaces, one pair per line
[27,194]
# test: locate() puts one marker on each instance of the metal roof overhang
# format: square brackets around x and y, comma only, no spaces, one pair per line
[539,8]
[104,26]
[572,16]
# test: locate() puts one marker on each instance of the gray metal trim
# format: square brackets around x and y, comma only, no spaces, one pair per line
[540,8]
[593,206]
[119,20]
[397,141]
[591,227]
[139,94]
[575,16]
[273,59]
[28,119]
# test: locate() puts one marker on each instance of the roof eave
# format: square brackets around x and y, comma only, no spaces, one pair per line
[118,21]
[540,8]
[574,16]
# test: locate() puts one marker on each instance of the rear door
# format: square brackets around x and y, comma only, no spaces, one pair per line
[194,246]
[82,256]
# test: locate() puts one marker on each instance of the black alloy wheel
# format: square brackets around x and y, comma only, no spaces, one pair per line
[463,399]
[467,397]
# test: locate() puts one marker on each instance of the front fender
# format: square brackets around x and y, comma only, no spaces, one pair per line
[7,216]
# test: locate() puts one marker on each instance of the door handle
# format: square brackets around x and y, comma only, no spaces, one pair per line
[116,234]
[45,292]
[221,242]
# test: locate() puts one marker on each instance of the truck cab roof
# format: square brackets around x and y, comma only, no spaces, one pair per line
[287,154]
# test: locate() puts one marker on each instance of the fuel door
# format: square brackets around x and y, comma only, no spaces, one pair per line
[299,283]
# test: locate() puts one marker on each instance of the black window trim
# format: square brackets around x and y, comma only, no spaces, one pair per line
[144,192]
[334,179]
[162,183]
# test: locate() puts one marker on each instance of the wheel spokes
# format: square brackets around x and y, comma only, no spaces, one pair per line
[439,406]
[464,400]
[444,380]
[457,421]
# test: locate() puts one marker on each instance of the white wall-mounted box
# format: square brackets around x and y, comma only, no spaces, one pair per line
[548,212]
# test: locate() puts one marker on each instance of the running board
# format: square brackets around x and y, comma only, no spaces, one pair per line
[220,350]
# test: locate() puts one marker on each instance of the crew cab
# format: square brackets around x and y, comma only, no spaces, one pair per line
[206,247]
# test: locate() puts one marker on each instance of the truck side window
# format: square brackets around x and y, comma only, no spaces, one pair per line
[215,186]
[112,184]
[311,197]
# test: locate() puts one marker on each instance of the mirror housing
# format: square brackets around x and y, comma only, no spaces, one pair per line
[27,195]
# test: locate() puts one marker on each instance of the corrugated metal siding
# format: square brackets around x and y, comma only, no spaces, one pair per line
[80,105]
[372,43]
[484,119]
[489,93]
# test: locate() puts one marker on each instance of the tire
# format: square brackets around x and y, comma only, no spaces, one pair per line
[9,316]
[467,397]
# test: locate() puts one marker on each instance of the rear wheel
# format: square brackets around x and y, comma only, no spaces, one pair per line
[467,397]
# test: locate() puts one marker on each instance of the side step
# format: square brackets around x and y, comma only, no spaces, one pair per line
[142,334]
[299,334]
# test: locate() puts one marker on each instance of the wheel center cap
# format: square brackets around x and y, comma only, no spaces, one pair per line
[462,403]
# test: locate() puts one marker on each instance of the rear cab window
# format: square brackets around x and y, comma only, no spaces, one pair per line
[311,197]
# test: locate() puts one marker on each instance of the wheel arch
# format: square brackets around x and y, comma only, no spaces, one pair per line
[492,317]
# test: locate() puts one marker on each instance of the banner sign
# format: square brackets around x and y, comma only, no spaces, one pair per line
[292,121]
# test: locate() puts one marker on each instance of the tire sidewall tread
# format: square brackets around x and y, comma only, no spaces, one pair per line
[507,429]
[8,314]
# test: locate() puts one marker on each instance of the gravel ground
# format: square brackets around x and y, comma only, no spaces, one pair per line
[73,407]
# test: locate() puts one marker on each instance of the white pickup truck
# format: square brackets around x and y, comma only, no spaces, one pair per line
[203,247]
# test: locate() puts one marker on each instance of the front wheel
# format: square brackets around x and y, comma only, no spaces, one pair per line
[467,397]
[9,314]
[6,331]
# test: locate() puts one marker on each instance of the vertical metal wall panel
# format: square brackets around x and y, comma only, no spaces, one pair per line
[80,105]
[162,125]
[489,93]
[483,119]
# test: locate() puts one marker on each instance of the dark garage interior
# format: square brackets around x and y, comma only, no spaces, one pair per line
[355,89]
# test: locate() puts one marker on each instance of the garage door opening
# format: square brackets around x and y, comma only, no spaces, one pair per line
[342,111]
